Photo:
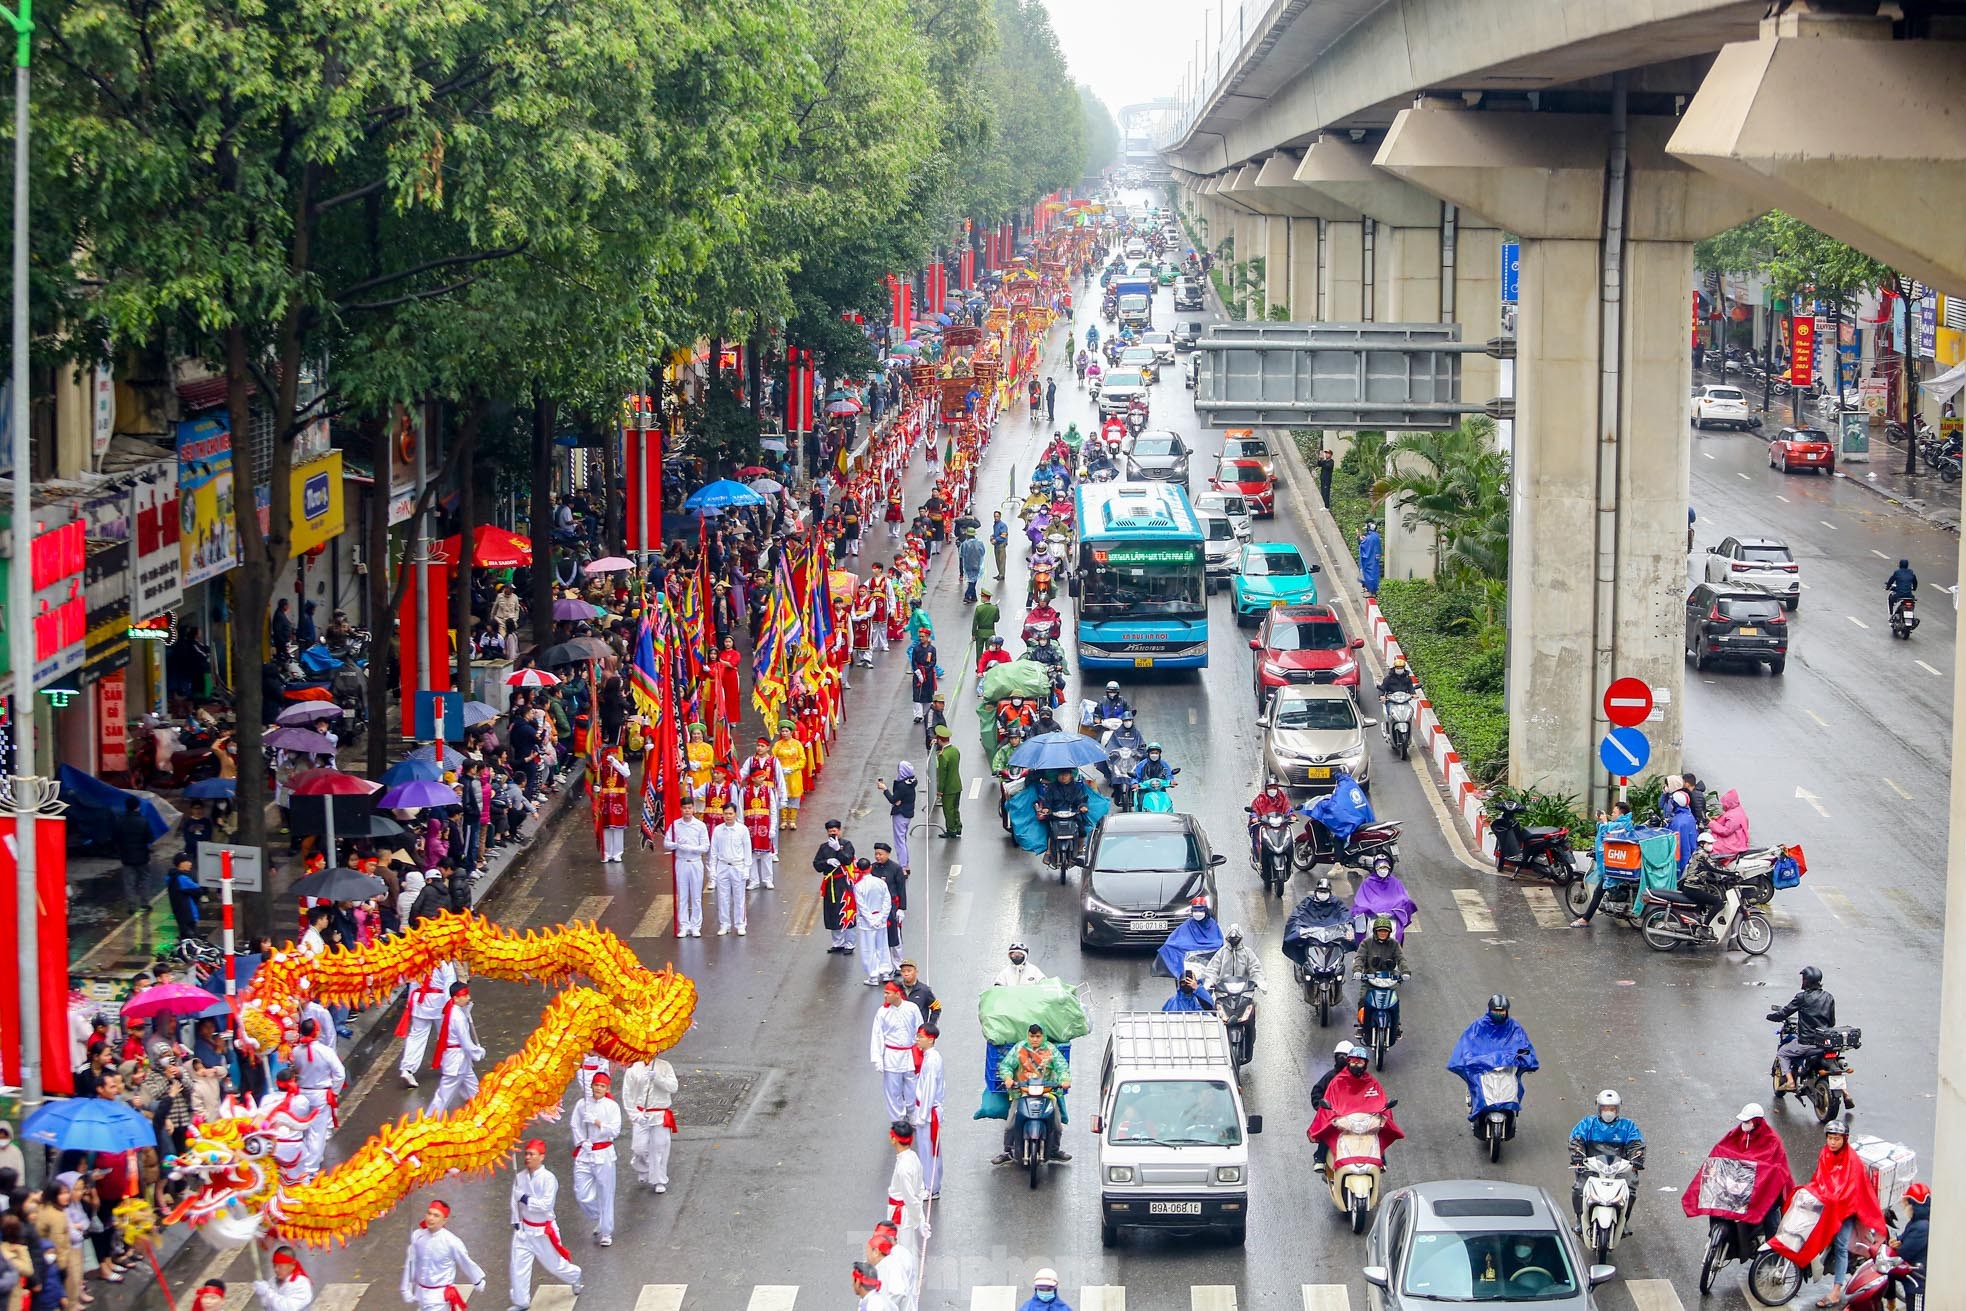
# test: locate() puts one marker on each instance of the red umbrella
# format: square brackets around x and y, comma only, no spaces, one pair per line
[753,471]
[492,548]
[310,694]
[176,998]
[329,783]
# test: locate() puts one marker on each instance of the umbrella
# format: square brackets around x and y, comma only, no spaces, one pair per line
[303,713]
[1058,751]
[302,739]
[339,884]
[847,406]
[417,793]
[329,783]
[753,471]
[839,394]
[607,564]
[212,789]
[174,998]
[767,486]
[531,678]
[405,771]
[375,826]
[479,712]
[492,548]
[943,319]
[568,607]
[576,651]
[310,694]
[90,1124]
[720,495]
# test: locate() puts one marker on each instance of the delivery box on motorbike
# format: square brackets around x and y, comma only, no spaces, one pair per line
[1892,1167]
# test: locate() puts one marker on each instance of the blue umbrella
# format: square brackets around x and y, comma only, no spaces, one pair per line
[89,1124]
[212,789]
[722,494]
[479,712]
[405,771]
[1058,751]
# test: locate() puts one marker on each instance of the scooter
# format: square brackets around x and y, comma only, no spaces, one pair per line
[1538,850]
[1501,1100]
[1824,1084]
[1152,797]
[1904,617]
[1672,917]
[1235,1002]
[1378,1002]
[1035,1110]
[1354,1166]
[1399,721]
[1731,1240]
[1010,781]
[1323,972]
[1063,845]
[1272,855]
[1608,1181]
[1878,1274]
[1315,845]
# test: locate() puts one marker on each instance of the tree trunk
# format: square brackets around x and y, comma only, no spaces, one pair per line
[467,524]
[382,651]
[252,588]
[542,517]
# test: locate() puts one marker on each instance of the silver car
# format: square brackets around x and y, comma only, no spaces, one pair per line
[1763,561]
[1116,395]
[1221,546]
[1155,453]
[1311,734]
[1163,344]
[1476,1240]
[1232,506]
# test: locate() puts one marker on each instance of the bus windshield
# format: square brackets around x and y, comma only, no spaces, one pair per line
[1167,586]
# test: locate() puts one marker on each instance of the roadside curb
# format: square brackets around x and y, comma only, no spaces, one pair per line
[1912,506]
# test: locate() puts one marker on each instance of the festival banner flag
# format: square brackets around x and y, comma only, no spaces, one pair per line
[642,673]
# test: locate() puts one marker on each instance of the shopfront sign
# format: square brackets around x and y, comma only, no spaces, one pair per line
[112,719]
[158,563]
[316,504]
[402,462]
[208,535]
[104,395]
[106,591]
[58,612]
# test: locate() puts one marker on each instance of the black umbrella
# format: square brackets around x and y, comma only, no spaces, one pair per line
[340,884]
[576,651]
[373,826]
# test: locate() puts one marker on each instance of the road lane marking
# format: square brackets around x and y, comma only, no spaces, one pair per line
[1783,499]
[1103,1297]
[993,1297]
[1743,477]
[1879,554]
[976,787]
[1192,718]
[1915,909]
[1709,455]
[1928,669]
[659,920]
[1893,785]
[1858,622]
[523,909]
[1212,1297]
[340,1297]
[1542,904]
[589,910]
[661,1297]
[955,872]
[1837,904]
[1474,911]
[1815,802]
[1331,1297]
[1820,721]
[764,1297]
[1827,524]
[804,917]
[1653,1295]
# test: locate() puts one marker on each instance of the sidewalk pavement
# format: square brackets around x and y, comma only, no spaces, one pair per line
[1923,494]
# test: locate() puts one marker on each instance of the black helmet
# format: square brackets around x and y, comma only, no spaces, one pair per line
[1499,1003]
[1811,977]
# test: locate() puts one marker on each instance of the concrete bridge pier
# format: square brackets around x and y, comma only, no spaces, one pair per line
[1603,377]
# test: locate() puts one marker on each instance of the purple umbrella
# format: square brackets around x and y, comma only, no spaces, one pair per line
[568,607]
[302,714]
[301,739]
[415,795]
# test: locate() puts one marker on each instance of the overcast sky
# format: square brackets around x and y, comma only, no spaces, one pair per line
[1128,51]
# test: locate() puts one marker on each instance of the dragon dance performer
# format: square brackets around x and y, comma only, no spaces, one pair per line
[437,1263]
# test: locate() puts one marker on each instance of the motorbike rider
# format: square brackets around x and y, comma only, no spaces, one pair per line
[1608,1127]
[1016,714]
[1340,1056]
[338,632]
[1814,1012]
[1341,1094]
[1398,678]
[1272,800]
[1916,1234]
[1902,583]
[1041,621]
[1236,960]
[1000,762]
[1032,1061]
[1112,705]
[1126,737]
[1189,995]
[1381,953]
[1491,1042]
[1064,790]
[1019,972]
[1153,767]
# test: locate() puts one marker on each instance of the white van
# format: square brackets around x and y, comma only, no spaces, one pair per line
[1173,1136]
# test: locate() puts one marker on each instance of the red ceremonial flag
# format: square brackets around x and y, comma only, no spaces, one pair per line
[51,942]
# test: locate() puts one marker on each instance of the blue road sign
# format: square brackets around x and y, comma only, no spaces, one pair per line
[1511,271]
[1624,751]
[439,708]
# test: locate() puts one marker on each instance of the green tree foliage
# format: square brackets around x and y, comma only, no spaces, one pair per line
[1036,121]
[1456,483]
[1098,132]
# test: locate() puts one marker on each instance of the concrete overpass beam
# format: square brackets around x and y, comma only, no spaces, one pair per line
[1477,302]
[1597,545]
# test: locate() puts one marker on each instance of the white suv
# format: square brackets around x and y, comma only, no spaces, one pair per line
[1763,561]
[1722,405]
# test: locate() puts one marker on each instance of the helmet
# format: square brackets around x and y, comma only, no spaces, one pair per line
[1499,1002]
[1706,840]
[1836,1126]
[1609,1097]
[1153,746]
[1344,1047]
[1126,716]
[1919,1194]
[1811,977]
[1382,924]
[997,640]
[1017,730]
[1752,1111]
[1016,946]
[1112,686]
[1234,935]
[1323,890]
[1359,1054]
[1399,662]
[1382,862]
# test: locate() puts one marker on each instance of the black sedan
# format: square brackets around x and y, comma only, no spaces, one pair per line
[1143,872]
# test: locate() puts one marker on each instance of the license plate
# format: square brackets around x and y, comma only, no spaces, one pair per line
[1839,1082]
[1151,926]
[1143,662]
[1174,1208]
[1317,771]
[1750,632]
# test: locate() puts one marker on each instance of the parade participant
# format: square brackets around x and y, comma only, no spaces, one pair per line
[647,1088]
[596,1123]
[730,862]
[611,804]
[322,1077]
[930,1089]
[762,764]
[209,1297]
[457,1052]
[894,516]
[907,1190]
[535,1233]
[896,878]
[437,1263]
[762,825]
[421,1015]
[284,1119]
[689,838]
[790,754]
[836,898]
[899,1269]
[720,796]
[591,1064]
[1020,970]
[702,757]
[900,796]
[924,674]
[867,1286]
[871,907]
[891,1047]
[862,619]
[290,1289]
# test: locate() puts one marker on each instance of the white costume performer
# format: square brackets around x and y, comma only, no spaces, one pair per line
[930,1088]
[614,806]
[322,1077]
[730,861]
[293,1293]
[646,1088]
[689,838]
[590,1065]
[891,1046]
[285,1118]
[871,907]
[457,1050]
[437,1263]
[907,1192]
[323,1022]
[596,1124]
[900,1271]
[535,1235]
[422,1014]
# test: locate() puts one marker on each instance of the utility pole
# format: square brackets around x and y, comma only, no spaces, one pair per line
[1907,375]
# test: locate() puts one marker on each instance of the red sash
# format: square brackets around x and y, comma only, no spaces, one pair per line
[452,1297]
[443,1037]
[668,1115]
[553,1237]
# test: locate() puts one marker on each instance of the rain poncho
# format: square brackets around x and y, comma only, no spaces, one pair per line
[1311,914]
[1353,1094]
[1743,1178]
[1344,809]
[1485,1047]
[1190,937]
[1383,895]
[1369,560]
[1029,830]
[1840,1189]
[1198,1000]
[1680,819]
[1730,826]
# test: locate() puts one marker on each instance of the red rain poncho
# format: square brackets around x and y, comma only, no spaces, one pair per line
[1845,1189]
[1717,1186]
[1351,1094]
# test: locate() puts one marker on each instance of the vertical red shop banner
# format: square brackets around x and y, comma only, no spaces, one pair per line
[439,624]
[1802,350]
[51,917]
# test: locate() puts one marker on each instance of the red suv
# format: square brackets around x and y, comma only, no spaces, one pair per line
[1302,644]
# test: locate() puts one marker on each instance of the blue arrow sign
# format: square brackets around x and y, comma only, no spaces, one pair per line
[1624,751]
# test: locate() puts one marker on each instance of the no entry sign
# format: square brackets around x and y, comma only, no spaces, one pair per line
[1627,702]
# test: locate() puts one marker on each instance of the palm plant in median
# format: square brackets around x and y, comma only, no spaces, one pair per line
[1456,483]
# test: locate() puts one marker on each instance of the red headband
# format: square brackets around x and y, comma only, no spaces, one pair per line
[439,1206]
[536,1145]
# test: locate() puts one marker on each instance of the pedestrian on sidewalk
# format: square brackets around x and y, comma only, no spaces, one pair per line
[1325,465]
[730,861]
[949,782]
[438,1262]
[999,541]
[891,1047]
[181,884]
[1050,400]
[457,1052]
[133,850]
[870,911]
[930,1089]
[596,1123]
[689,838]
[535,1232]
[422,1013]
[646,1089]
[1371,559]
[900,805]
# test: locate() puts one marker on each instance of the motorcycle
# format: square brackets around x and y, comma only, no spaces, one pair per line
[1608,1180]
[1235,1002]
[1904,617]
[1010,781]
[1754,871]
[1136,422]
[1042,630]
[1501,1101]
[1272,854]
[1120,765]
[175,756]
[1400,709]
[1035,1110]
[1376,1005]
[1355,1164]
[1315,845]
[1539,850]
[1824,1082]
[1877,1271]
[1672,918]
[1322,972]
[1152,797]
[1064,845]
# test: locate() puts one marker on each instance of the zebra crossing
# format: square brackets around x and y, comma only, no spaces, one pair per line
[1644,1295]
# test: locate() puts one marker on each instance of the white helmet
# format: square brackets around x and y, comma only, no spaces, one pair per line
[1609,1097]
[1752,1111]
[1344,1047]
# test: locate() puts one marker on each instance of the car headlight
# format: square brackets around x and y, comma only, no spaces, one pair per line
[1347,667]
[1228,1174]
[1119,1174]
[1275,670]
[1095,906]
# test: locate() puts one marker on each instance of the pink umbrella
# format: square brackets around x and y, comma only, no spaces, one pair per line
[607,564]
[532,678]
[172,998]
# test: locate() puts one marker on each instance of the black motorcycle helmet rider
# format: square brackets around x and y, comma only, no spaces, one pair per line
[1498,1007]
[1812,978]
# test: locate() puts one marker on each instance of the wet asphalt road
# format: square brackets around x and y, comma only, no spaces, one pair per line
[782,1161]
